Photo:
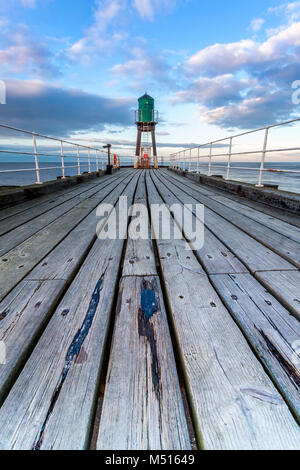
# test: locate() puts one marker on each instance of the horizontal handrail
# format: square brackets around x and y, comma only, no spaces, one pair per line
[284,123]
[180,158]
[56,139]
[33,169]
[81,153]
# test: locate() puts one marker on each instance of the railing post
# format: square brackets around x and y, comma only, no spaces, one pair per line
[102,161]
[210,157]
[62,161]
[37,168]
[263,158]
[89,159]
[97,165]
[190,163]
[183,160]
[78,161]
[198,161]
[229,160]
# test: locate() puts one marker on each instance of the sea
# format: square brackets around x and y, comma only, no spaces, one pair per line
[286,181]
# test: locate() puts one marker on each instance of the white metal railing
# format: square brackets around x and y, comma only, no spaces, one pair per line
[184,158]
[138,115]
[80,154]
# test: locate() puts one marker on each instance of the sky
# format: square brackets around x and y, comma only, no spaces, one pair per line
[75,68]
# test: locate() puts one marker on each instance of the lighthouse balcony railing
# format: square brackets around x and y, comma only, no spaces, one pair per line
[139,116]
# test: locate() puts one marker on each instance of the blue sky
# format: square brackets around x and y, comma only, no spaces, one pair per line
[75,68]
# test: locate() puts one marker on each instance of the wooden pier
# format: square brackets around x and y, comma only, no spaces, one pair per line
[142,344]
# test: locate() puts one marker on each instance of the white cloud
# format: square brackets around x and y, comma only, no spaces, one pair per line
[147,8]
[104,35]
[224,58]
[55,110]
[253,112]
[212,91]
[257,24]
[22,54]
[96,39]
[291,10]
[144,69]
[246,83]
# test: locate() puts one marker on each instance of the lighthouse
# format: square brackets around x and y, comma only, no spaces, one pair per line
[146,119]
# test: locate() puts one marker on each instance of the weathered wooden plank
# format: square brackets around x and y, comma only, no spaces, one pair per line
[72,249]
[285,286]
[272,331]
[139,260]
[255,255]
[286,283]
[288,230]
[15,216]
[27,308]
[233,401]
[276,212]
[280,244]
[214,255]
[23,314]
[59,383]
[17,263]
[46,198]
[142,408]
[171,248]
[15,237]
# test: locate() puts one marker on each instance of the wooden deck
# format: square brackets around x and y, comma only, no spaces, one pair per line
[141,344]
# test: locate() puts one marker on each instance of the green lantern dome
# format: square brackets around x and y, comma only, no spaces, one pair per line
[146,108]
